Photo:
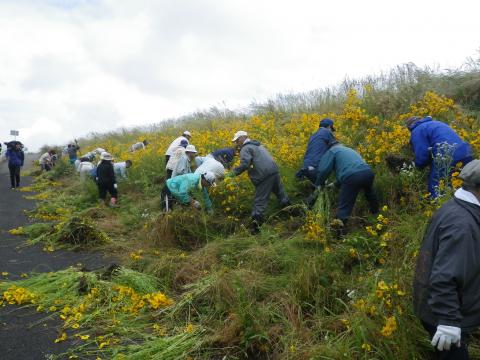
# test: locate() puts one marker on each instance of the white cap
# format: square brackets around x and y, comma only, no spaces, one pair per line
[239,134]
[106,156]
[191,148]
[187,133]
[210,177]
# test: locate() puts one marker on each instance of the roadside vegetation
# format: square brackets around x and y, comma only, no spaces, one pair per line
[191,285]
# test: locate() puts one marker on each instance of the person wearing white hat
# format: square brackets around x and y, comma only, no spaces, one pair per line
[183,164]
[263,173]
[186,136]
[106,181]
[181,188]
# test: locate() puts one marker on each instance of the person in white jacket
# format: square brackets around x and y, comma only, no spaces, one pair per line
[139,146]
[183,166]
[177,153]
[46,161]
[85,169]
[209,163]
[120,168]
[186,136]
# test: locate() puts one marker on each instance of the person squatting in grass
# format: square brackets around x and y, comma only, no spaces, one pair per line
[263,173]
[120,168]
[181,188]
[15,157]
[106,181]
[183,165]
[318,144]
[427,136]
[352,173]
[224,156]
[180,141]
[446,288]
[209,163]
[139,146]
[46,161]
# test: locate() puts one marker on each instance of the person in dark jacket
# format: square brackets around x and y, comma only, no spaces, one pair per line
[352,173]
[446,288]
[72,150]
[263,173]
[225,156]
[15,157]
[430,140]
[317,146]
[106,179]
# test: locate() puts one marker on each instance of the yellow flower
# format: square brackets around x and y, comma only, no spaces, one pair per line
[189,328]
[63,337]
[366,347]
[390,326]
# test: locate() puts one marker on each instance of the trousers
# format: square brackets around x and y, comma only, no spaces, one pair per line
[349,189]
[14,175]
[263,190]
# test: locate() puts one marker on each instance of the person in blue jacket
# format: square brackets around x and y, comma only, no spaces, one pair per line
[352,173]
[225,156]
[429,138]
[182,187]
[317,146]
[15,158]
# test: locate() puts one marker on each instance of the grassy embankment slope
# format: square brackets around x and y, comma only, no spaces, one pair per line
[199,286]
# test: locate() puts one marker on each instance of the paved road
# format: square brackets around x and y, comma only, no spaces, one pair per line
[24,334]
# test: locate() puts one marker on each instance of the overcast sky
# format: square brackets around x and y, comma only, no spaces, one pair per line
[69,67]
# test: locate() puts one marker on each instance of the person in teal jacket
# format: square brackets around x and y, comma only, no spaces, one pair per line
[181,188]
[352,175]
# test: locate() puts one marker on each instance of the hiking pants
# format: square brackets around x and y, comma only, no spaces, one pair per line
[438,174]
[350,187]
[262,195]
[14,175]
[103,188]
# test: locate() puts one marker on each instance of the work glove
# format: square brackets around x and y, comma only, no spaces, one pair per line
[446,336]
[115,186]
[196,205]
[330,185]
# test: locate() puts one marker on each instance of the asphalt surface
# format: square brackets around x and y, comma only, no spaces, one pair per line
[25,334]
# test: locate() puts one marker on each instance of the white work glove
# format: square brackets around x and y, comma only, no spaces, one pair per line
[446,336]
[196,205]
[330,185]
[115,186]
[310,168]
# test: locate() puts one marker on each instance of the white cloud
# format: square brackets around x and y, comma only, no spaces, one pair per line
[71,67]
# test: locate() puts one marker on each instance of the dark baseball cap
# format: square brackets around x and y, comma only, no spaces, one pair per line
[326,123]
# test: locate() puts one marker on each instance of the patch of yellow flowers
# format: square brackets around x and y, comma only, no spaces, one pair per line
[16,295]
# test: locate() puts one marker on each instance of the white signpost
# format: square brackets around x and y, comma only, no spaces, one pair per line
[14,133]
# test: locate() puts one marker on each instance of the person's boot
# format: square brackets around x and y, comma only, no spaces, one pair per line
[257,221]
[339,228]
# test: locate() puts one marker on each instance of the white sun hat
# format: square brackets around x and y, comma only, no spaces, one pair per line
[239,134]
[210,177]
[106,156]
[187,133]
[191,148]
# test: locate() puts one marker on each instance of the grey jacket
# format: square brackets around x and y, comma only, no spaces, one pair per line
[447,279]
[256,159]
